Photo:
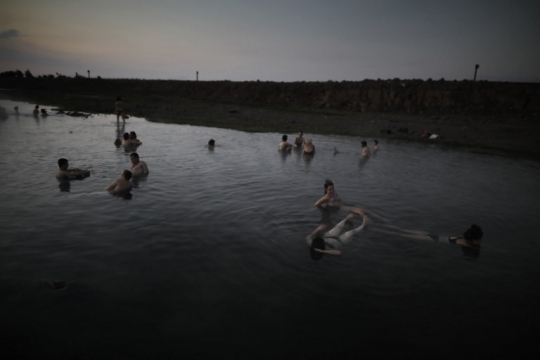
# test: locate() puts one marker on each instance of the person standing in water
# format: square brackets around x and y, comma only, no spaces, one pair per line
[119,109]
[122,184]
[299,140]
[284,145]
[64,172]
[138,167]
[309,148]
[365,149]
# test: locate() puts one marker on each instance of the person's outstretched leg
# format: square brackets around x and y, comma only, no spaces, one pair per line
[336,230]
[347,237]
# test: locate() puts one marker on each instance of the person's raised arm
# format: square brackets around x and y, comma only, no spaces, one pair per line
[112,185]
[322,200]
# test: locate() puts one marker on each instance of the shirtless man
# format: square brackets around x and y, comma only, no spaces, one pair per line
[64,173]
[284,145]
[138,167]
[122,184]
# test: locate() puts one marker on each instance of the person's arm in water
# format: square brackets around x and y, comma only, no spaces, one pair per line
[112,185]
[145,168]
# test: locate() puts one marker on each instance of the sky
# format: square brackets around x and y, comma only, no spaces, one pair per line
[273,40]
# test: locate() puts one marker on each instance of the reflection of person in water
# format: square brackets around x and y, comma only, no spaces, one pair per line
[320,239]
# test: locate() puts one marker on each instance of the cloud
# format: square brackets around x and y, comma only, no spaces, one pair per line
[11,33]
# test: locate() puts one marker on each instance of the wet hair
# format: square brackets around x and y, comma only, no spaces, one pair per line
[127,174]
[62,162]
[126,136]
[376,141]
[211,142]
[135,155]
[284,138]
[37,106]
[317,243]
[364,143]
[473,233]
[301,132]
[327,183]
[132,135]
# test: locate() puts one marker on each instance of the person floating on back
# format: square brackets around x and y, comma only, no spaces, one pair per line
[119,109]
[65,173]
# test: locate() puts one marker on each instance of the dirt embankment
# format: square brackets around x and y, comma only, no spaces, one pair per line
[487,115]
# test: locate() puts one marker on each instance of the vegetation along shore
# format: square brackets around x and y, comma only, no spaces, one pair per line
[491,117]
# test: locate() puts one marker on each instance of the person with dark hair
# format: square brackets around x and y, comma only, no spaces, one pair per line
[64,172]
[299,140]
[44,113]
[284,145]
[319,239]
[375,145]
[332,201]
[138,167]
[121,184]
[211,143]
[133,139]
[470,241]
[119,109]
[365,149]
[36,111]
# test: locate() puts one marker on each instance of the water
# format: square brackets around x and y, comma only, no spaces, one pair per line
[208,258]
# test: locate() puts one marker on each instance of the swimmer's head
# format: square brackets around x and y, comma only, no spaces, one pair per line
[37,106]
[300,133]
[284,138]
[376,142]
[126,136]
[63,163]
[126,174]
[474,233]
[364,143]
[132,135]
[118,98]
[211,142]
[308,141]
[327,184]
[317,243]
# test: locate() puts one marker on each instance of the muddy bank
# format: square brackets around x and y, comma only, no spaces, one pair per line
[502,118]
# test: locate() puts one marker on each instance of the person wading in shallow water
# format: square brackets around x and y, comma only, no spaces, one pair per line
[65,173]
[119,109]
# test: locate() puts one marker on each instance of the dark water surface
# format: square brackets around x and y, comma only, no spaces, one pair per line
[208,258]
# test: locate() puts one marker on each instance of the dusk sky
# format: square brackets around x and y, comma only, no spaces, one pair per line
[275,40]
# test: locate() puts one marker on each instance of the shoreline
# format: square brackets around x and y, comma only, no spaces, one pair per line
[499,134]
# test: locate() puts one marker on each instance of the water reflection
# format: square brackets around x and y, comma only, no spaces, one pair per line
[64,185]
